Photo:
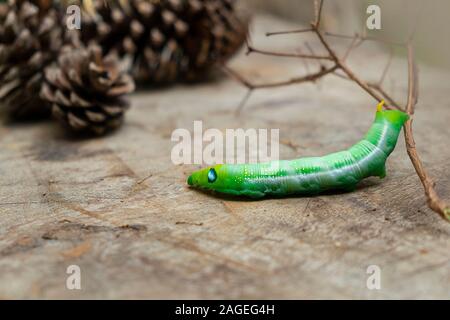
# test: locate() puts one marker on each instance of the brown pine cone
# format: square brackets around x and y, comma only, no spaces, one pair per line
[167,40]
[87,90]
[30,38]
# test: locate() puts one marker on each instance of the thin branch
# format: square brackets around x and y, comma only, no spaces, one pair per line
[392,104]
[311,51]
[350,48]
[391,101]
[347,70]
[251,49]
[342,76]
[306,64]
[268,34]
[318,5]
[413,92]
[312,77]
[386,67]
[237,77]
[306,78]
[363,38]
[244,101]
[433,199]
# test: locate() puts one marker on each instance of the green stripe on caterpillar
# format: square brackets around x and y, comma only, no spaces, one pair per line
[306,176]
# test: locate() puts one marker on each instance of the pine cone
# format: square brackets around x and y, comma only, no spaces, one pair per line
[30,38]
[167,40]
[87,90]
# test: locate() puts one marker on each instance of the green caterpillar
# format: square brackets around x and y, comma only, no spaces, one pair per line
[337,171]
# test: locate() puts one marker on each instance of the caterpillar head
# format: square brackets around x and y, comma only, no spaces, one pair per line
[210,178]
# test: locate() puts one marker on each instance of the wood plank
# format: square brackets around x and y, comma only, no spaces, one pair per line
[117,206]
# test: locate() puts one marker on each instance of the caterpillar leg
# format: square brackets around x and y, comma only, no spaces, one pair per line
[349,188]
[381,172]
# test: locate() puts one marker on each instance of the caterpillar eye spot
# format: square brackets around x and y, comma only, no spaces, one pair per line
[212,175]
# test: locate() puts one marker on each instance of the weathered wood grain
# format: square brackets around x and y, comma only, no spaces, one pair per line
[118,207]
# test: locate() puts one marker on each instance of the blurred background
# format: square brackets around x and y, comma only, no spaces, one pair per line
[398,19]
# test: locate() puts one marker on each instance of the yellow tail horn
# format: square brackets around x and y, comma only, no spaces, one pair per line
[380,106]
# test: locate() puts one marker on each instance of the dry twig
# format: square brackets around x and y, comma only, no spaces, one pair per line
[433,200]
[340,69]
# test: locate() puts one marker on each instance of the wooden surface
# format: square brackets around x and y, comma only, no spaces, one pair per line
[118,208]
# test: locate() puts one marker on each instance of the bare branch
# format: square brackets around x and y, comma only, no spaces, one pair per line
[386,67]
[362,37]
[391,101]
[318,5]
[252,49]
[305,62]
[244,101]
[237,77]
[433,200]
[341,65]
[312,77]
[268,34]
[412,82]
[342,76]
[350,48]
[311,51]
[392,104]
